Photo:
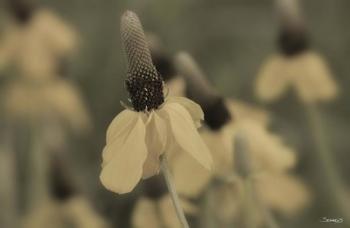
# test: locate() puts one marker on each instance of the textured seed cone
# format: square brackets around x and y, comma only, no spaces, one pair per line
[198,89]
[143,82]
[293,38]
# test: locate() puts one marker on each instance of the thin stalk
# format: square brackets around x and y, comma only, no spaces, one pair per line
[172,190]
[327,163]
[248,206]
[251,201]
[38,168]
[207,220]
[9,215]
[270,219]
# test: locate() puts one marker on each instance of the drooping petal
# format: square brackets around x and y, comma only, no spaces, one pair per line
[275,190]
[65,100]
[145,214]
[192,107]
[313,79]
[227,200]
[185,133]
[267,152]
[190,177]
[124,170]
[155,140]
[272,79]
[120,123]
[244,111]
[221,146]
[117,132]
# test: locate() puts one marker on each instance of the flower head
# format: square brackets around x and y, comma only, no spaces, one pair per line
[215,111]
[296,65]
[143,82]
[31,100]
[36,49]
[137,138]
[307,74]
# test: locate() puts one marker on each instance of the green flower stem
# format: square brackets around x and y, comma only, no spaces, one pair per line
[8,193]
[172,190]
[207,216]
[252,203]
[326,161]
[38,169]
[249,209]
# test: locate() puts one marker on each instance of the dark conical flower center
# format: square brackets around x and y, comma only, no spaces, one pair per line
[164,66]
[293,41]
[216,114]
[145,87]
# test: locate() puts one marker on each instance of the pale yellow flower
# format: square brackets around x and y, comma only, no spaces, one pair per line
[263,144]
[221,146]
[242,111]
[76,212]
[269,156]
[190,178]
[159,213]
[267,169]
[271,191]
[306,73]
[220,140]
[267,151]
[274,191]
[36,47]
[137,138]
[43,100]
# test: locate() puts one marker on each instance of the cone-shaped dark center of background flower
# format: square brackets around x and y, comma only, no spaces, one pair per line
[22,10]
[293,41]
[198,88]
[61,185]
[216,114]
[164,65]
[145,87]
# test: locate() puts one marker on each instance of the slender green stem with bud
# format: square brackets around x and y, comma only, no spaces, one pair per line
[172,190]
